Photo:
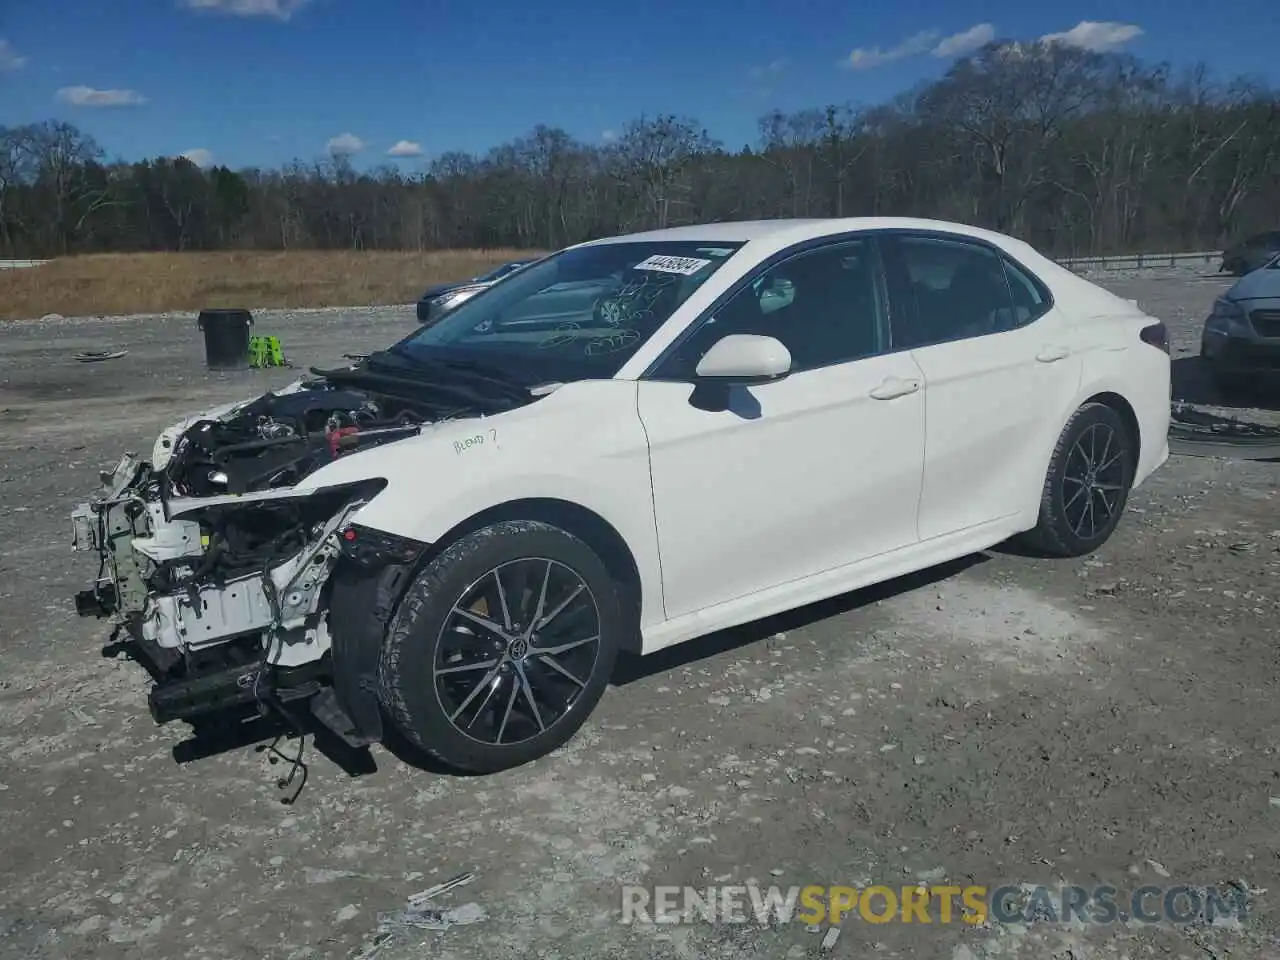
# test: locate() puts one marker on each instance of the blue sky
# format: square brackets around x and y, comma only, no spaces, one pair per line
[259,82]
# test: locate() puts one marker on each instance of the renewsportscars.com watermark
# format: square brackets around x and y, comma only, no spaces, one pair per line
[973,905]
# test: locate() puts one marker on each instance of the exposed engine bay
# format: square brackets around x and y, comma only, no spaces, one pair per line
[222,573]
[279,439]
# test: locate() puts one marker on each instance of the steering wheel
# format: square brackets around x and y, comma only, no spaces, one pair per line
[609,311]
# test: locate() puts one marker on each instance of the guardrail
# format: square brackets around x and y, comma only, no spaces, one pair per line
[1144,261]
[21,264]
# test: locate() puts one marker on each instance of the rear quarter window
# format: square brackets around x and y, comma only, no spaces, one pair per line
[1031,299]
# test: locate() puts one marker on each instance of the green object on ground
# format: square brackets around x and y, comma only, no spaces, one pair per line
[266,352]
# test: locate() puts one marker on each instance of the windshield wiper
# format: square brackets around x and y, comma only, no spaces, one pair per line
[407,387]
[472,371]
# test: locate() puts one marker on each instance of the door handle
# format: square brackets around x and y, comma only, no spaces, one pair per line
[1052,354]
[894,387]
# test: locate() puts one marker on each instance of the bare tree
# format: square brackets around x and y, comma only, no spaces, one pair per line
[1077,152]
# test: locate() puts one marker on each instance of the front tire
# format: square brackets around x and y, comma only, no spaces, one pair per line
[1087,483]
[501,647]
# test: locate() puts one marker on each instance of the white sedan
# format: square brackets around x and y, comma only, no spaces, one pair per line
[628,444]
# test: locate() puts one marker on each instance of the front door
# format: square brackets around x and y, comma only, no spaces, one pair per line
[798,476]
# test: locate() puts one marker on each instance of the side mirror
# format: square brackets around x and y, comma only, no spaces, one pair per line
[738,359]
[745,358]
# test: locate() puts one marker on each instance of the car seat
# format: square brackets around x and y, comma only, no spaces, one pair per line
[831,317]
[977,298]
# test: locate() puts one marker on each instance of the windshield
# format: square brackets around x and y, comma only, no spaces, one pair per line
[576,315]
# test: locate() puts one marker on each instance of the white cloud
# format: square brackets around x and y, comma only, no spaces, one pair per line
[281,10]
[405,148]
[966,41]
[608,136]
[89,97]
[926,41]
[772,69]
[344,144]
[1096,36]
[868,58]
[200,157]
[10,59]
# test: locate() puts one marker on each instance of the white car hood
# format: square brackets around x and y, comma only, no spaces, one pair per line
[162,451]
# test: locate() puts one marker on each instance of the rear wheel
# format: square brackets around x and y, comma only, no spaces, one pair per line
[502,646]
[1087,484]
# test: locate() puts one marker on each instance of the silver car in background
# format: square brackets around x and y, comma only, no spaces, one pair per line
[441,298]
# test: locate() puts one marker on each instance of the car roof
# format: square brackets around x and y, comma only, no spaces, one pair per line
[794,230]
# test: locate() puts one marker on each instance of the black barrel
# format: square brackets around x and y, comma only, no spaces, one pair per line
[226,338]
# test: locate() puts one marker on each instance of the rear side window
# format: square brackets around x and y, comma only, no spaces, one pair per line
[947,289]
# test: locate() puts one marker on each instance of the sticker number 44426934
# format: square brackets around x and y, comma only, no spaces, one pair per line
[686,266]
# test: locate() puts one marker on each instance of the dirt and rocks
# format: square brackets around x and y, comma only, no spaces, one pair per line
[1112,720]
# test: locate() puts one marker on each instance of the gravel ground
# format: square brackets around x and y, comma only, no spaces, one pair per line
[1003,720]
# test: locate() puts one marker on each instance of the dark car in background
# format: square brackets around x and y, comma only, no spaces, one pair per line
[1251,254]
[1241,340]
[436,301]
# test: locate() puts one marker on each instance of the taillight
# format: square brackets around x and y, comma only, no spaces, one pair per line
[1157,335]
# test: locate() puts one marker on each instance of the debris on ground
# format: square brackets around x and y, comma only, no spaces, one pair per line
[95,356]
[417,916]
[428,918]
[461,880]
[265,351]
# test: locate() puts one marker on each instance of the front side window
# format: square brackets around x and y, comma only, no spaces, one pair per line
[822,305]
[578,314]
[946,290]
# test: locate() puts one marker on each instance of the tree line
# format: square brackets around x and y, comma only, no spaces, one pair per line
[1078,152]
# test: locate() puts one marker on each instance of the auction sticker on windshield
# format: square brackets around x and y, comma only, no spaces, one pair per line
[686,266]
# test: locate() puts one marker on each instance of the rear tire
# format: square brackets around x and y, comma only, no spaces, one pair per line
[465,673]
[1087,484]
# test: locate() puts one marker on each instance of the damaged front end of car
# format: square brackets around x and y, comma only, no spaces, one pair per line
[230,575]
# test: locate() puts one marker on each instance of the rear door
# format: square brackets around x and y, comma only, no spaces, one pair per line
[1000,366]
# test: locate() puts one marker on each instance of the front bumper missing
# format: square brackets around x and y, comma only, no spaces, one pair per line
[108,525]
[98,601]
[256,640]
[232,688]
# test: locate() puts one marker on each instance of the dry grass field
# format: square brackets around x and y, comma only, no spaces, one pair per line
[133,283]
